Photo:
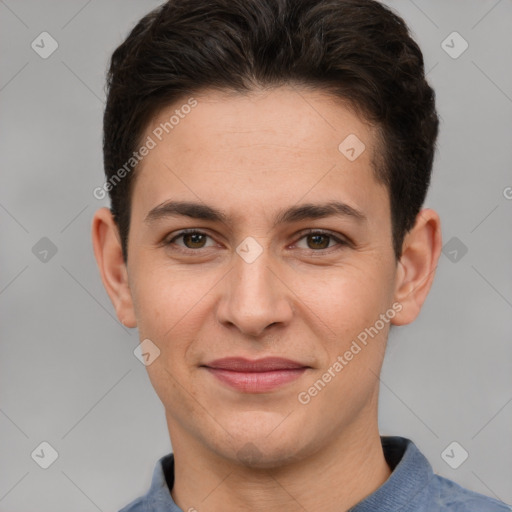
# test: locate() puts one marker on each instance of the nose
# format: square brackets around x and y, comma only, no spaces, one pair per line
[255,296]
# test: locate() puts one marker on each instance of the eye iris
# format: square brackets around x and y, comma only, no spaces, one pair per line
[196,238]
[316,237]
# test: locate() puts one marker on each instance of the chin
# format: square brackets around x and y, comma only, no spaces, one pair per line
[262,455]
[263,447]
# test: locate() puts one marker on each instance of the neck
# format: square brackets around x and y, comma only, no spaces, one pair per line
[334,478]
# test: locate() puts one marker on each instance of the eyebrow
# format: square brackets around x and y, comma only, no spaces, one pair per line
[200,211]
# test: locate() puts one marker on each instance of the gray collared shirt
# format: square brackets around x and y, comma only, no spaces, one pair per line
[412,487]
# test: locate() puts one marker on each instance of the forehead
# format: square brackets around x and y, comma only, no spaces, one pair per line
[289,117]
[267,146]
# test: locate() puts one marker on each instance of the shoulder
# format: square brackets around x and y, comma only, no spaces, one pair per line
[416,488]
[456,498]
[135,506]
[158,498]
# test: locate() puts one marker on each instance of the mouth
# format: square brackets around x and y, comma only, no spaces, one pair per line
[255,376]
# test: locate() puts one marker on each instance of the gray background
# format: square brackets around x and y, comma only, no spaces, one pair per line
[68,375]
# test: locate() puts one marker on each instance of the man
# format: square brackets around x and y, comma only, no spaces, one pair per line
[267,162]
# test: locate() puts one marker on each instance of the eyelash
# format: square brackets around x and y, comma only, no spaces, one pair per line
[185,250]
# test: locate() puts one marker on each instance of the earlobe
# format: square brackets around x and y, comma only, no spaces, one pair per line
[417,265]
[109,257]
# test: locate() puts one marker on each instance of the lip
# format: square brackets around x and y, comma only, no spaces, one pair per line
[266,364]
[255,376]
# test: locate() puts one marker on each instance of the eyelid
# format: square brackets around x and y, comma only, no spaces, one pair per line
[319,231]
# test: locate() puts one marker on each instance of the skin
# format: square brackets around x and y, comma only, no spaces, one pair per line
[303,298]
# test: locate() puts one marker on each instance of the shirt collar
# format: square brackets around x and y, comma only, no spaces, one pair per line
[403,490]
[406,487]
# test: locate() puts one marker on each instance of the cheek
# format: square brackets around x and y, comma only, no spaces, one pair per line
[349,298]
[350,309]
[171,308]
[166,299]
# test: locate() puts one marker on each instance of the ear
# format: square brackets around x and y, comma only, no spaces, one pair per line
[109,256]
[417,265]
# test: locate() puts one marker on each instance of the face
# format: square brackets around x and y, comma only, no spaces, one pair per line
[259,274]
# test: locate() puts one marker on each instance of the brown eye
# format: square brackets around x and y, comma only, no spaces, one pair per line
[319,240]
[192,241]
